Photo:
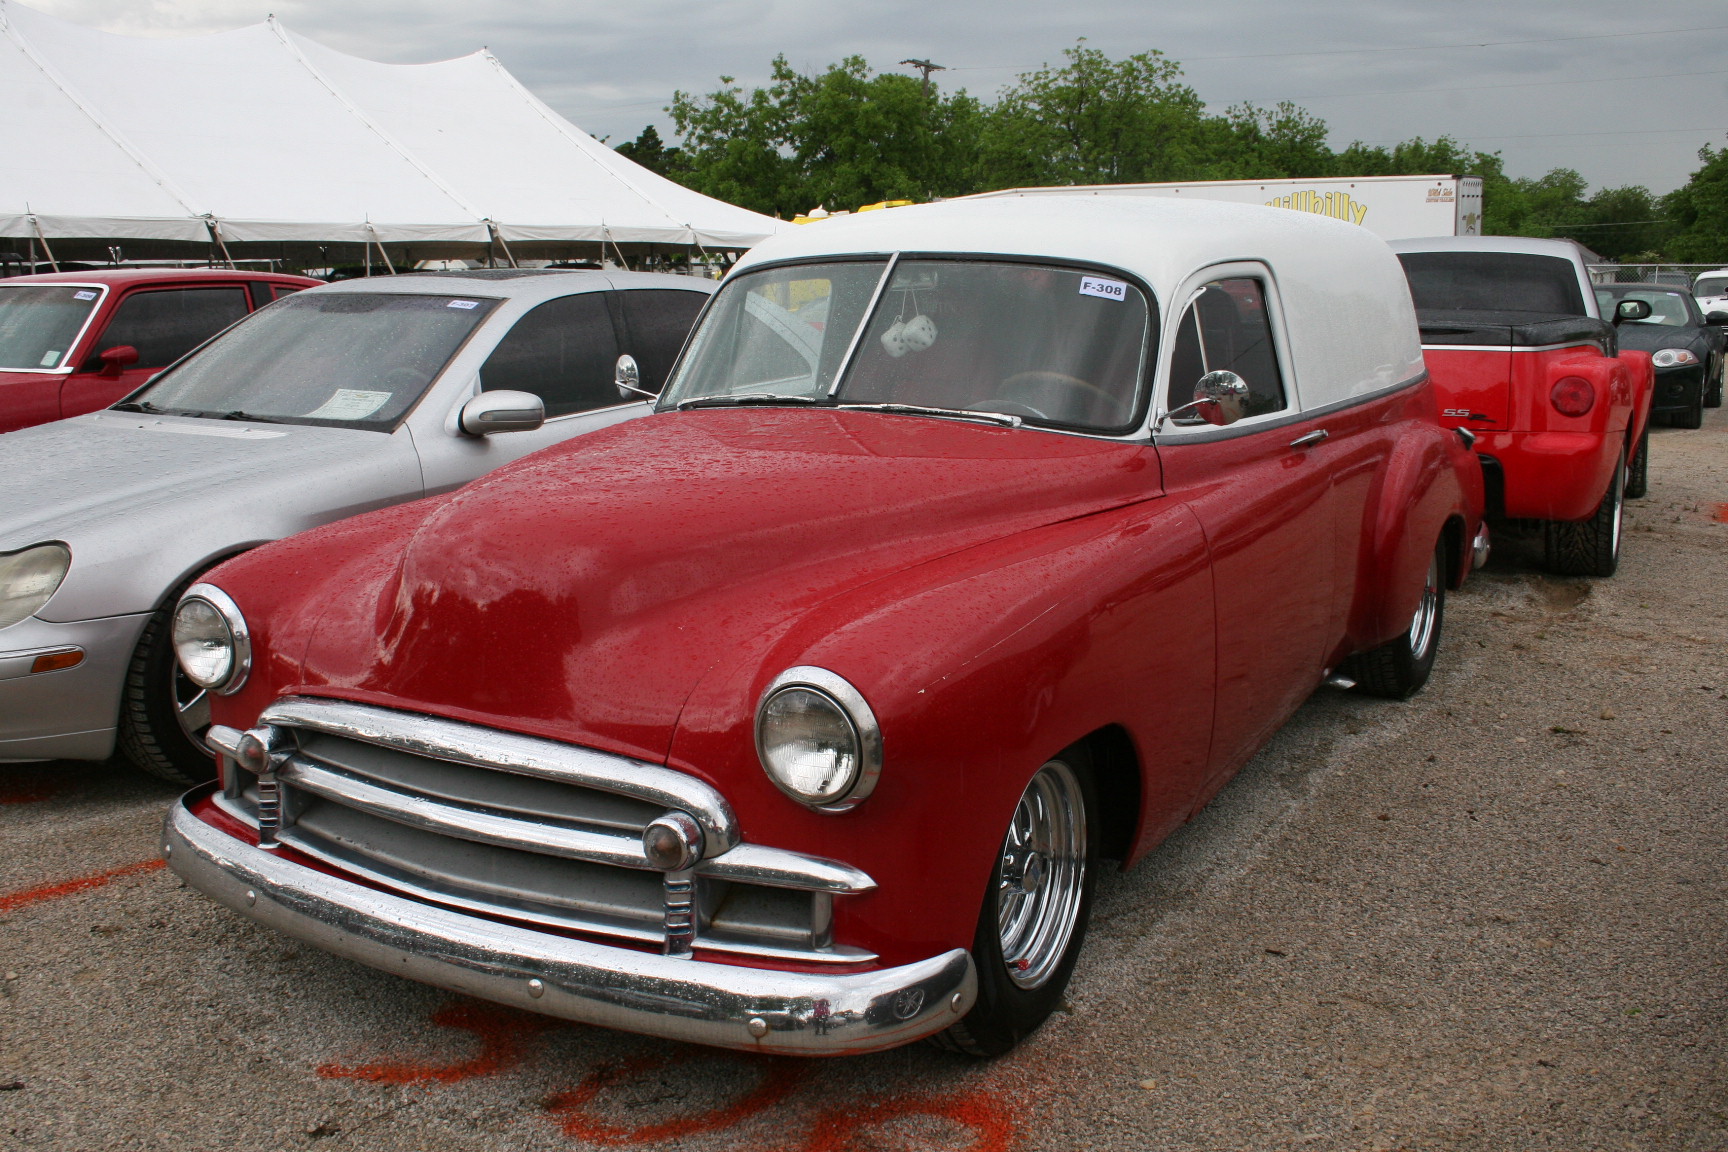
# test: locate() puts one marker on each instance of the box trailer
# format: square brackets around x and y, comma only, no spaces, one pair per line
[1392,207]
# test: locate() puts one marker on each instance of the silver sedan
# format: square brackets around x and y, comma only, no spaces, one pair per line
[331,402]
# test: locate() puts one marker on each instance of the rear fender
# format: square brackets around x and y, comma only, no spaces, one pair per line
[1431,479]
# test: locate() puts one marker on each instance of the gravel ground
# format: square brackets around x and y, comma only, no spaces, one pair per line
[1490,918]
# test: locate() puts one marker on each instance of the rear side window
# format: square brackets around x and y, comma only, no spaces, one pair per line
[1226,328]
[564,351]
[658,320]
[1493,282]
[166,323]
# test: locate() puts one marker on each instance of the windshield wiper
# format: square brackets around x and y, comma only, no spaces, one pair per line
[1003,418]
[748,398]
[239,415]
[137,406]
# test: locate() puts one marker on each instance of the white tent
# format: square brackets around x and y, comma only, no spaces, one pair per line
[263,135]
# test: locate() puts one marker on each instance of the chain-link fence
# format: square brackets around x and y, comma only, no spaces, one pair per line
[1671,275]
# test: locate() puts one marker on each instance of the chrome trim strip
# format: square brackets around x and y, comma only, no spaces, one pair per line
[845,364]
[781,868]
[1509,347]
[465,743]
[730,1006]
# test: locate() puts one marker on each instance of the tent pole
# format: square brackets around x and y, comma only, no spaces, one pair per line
[215,228]
[502,243]
[46,250]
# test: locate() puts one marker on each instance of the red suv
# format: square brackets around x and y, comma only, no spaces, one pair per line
[73,342]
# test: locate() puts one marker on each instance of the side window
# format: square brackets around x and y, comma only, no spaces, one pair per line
[164,324]
[1226,328]
[282,290]
[658,320]
[564,351]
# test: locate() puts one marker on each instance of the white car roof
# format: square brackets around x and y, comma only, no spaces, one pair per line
[514,283]
[1349,323]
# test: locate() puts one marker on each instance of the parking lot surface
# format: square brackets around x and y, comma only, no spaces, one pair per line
[1488,918]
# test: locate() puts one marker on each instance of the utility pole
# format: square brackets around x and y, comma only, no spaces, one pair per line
[925,67]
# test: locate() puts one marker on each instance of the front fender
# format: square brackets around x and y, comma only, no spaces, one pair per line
[979,666]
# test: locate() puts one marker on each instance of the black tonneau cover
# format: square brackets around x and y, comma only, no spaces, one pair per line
[1512,329]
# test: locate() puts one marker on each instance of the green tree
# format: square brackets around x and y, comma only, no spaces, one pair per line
[651,152]
[1698,212]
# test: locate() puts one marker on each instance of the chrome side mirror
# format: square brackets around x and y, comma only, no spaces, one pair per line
[501,411]
[1220,398]
[628,377]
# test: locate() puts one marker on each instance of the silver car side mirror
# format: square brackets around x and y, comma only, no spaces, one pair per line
[628,376]
[502,411]
[1220,398]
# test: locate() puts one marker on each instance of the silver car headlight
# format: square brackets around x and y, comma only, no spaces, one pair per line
[211,639]
[1673,358]
[28,578]
[818,740]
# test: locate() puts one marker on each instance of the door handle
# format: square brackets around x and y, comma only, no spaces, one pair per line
[1310,439]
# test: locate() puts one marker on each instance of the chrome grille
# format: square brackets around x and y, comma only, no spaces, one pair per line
[532,829]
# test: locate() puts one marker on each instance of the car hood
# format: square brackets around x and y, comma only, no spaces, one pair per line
[581,593]
[1652,337]
[140,498]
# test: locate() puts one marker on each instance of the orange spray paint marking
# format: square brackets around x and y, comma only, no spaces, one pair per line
[13,901]
[1721,516]
[780,1078]
[31,787]
[503,1033]
[980,1113]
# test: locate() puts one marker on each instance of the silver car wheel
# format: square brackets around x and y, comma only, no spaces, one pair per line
[191,707]
[1043,875]
[1422,624]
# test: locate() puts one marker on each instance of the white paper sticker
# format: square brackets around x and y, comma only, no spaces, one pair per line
[463,304]
[86,294]
[1108,289]
[350,404]
[49,359]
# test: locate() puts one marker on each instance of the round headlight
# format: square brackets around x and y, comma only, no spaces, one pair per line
[818,740]
[1673,357]
[211,640]
[28,578]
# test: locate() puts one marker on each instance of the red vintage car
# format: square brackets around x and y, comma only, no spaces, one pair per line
[1521,359]
[970,544]
[74,342]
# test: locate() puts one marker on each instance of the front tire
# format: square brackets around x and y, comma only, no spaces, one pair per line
[1713,395]
[1399,668]
[1692,416]
[1034,918]
[1638,472]
[163,715]
[1590,547]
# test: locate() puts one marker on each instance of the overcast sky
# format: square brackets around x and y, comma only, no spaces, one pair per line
[1623,93]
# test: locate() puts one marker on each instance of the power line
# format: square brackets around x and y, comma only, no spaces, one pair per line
[925,68]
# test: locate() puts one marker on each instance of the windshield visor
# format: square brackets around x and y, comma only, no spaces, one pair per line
[1666,308]
[1493,282]
[40,323]
[1050,345]
[359,359]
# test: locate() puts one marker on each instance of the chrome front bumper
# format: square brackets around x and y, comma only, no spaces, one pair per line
[729,1006]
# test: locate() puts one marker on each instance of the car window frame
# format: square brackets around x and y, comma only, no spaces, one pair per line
[1187,293]
[133,291]
[69,362]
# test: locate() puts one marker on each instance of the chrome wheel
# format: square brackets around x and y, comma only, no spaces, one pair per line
[1043,875]
[1422,625]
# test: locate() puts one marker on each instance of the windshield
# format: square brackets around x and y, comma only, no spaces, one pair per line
[1710,286]
[40,322]
[1045,344]
[359,359]
[1666,308]
[1493,282]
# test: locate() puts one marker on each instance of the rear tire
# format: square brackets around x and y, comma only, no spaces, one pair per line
[1397,669]
[1590,547]
[1033,922]
[1638,472]
[163,715]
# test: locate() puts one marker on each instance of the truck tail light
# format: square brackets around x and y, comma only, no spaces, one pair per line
[1573,395]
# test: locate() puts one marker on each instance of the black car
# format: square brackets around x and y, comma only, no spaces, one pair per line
[1687,347]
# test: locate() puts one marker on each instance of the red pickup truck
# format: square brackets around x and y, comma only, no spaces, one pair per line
[1521,358]
[73,342]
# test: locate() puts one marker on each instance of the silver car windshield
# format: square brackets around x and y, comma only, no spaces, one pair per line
[1710,286]
[1043,344]
[39,322]
[359,359]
